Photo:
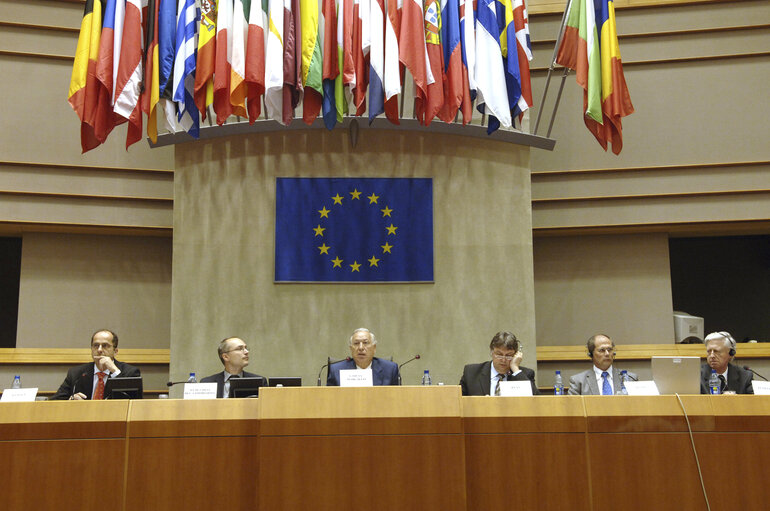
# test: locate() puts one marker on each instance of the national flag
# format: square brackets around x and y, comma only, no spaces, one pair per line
[361,47]
[524,48]
[508,48]
[223,62]
[128,80]
[240,32]
[312,59]
[345,27]
[376,58]
[453,59]
[427,109]
[354,230]
[105,119]
[490,75]
[206,58]
[255,57]
[393,71]
[83,93]
[151,93]
[274,61]
[166,56]
[599,70]
[292,60]
[412,48]
[331,63]
[468,43]
[188,19]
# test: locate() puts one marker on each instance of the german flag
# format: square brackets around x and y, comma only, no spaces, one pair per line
[83,94]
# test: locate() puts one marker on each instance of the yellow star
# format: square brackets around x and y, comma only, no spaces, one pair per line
[355,267]
[386,248]
[338,199]
[319,231]
[355,194]
[324,249]
[372,198]
[324,212]
[337,262]
[392,229]
[386,211]
[373,261]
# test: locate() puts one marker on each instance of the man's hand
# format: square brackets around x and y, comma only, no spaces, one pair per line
[78,397]
[105,364]
[516,361]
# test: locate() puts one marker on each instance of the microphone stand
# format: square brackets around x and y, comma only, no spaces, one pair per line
[416,357]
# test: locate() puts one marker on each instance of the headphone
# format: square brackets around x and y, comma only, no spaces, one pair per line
[591,352]
[729,337]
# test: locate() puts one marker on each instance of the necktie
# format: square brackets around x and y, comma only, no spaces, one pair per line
[497,387]
[99,394]
[723,383]
[606,388]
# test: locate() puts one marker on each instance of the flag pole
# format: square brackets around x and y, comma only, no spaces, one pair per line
[550,70]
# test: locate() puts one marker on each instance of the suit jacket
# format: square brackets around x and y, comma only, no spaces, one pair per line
[738,379]
[384,372]
[475,380]
[219,379]
[585,383]
[75,382]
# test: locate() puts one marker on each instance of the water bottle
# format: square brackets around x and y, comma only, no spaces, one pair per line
[426,378]
[192,379]
[16,382]
[715,386]
[622,391]
[558,386]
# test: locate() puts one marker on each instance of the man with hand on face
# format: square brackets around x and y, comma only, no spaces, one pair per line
[87,381]
[720,350]
[602,379]
[363,345]
[234,355]
[484,379]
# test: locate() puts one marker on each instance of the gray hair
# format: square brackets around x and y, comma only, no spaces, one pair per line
[721,336]
[370,333]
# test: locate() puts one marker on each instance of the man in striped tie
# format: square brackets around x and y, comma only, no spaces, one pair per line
[602,379]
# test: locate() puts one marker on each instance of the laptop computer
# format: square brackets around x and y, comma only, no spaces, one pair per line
[676,375]
[285,381]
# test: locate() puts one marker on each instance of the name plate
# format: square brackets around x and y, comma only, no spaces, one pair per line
[356,378]
[642,388]
[19,395]
[200,390]
[515,388]
[761,388]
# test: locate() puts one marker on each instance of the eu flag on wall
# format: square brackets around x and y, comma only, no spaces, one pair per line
[353,230]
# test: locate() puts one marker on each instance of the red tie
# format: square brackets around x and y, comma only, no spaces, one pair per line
[99,394]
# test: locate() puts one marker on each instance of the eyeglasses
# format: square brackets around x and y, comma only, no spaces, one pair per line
[239,348]
[500,356]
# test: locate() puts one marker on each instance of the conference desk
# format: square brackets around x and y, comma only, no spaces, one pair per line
[389,448]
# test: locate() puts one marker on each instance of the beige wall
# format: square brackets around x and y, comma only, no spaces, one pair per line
[224,222]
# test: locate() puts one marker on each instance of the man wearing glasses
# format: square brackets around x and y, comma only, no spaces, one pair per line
[87,381]
[602,379]
[484,379]
[234,355]
[363,346]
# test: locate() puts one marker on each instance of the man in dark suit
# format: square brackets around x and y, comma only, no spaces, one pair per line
[720,350]
[87,381]
[601,350]
[363,345]
[234,355]
[506,353]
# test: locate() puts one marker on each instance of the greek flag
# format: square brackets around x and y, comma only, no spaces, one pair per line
[187,20]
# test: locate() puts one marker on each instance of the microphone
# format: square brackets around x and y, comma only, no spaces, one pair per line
[753,371]
[75,385]
[172,383]
[328,363]
[416,357]
[631,377]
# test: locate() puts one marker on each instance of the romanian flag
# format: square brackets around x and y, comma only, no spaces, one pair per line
[312,59]
[83,93]
[204,68]
[590,47]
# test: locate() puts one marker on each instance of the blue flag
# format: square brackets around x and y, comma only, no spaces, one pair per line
[353,230]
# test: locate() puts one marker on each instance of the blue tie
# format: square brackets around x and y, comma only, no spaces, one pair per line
[606,389]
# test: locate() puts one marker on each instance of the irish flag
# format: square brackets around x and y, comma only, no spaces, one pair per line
[590,47]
